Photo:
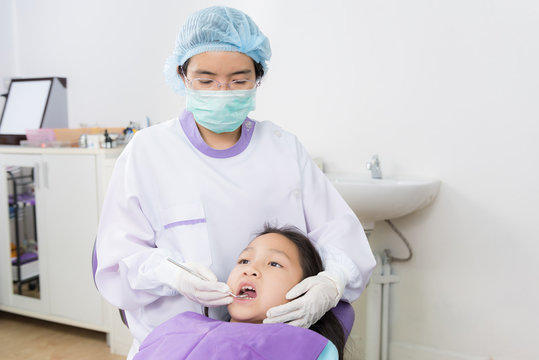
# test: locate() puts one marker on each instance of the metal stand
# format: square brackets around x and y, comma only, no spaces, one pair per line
[16,205]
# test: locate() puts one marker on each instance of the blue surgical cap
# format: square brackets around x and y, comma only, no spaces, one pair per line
[217,28]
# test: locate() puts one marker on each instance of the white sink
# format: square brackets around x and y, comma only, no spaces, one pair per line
[384,199]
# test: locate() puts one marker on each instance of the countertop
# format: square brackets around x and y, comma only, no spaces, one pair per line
[16,149]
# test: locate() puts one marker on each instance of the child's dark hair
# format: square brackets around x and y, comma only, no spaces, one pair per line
[311,264]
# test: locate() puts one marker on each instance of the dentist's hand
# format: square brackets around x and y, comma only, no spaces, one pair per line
[208,293]
[321,293]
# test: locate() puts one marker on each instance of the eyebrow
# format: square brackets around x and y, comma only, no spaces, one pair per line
[207,72]
[250,249]
[280,252]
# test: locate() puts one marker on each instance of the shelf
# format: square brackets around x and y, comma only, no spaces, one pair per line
[29,265]
[25,198]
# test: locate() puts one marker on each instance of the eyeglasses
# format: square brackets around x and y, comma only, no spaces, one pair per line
[211,84]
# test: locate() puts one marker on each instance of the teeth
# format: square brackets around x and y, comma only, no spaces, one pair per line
[247,287]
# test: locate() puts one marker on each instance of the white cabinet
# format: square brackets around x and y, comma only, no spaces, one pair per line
[69,188]
[67,222]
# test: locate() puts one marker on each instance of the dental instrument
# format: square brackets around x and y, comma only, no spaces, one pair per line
[202,277]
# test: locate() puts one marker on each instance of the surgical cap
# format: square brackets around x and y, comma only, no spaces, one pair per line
[217,28]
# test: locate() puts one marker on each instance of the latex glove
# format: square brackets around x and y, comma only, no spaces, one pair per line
[321,293]
[208,293]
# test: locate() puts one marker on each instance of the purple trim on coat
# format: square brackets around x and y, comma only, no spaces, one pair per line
[190,129]
[94,263]
[185,222]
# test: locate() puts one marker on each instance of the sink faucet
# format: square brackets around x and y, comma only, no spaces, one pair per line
[374,167]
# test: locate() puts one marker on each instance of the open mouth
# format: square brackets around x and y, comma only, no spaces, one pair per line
[248,290]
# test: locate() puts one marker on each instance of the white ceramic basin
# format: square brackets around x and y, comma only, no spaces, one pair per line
[384,199]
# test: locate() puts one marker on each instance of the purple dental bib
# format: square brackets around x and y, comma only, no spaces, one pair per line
[193,336]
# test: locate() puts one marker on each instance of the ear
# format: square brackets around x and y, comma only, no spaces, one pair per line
[179,72]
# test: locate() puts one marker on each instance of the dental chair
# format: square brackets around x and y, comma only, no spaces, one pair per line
[343,311]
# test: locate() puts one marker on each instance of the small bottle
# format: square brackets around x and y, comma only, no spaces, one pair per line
[83,141]
[108,140]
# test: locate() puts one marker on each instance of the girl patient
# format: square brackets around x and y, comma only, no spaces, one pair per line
[275,261]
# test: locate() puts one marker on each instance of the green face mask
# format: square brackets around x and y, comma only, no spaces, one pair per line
[220,111]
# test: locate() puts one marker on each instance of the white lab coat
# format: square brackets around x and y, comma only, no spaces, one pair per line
[172,195]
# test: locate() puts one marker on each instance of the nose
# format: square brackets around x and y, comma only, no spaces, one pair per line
[223,85]
[251,272]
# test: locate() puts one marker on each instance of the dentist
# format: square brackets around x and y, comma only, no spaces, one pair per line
[196,188]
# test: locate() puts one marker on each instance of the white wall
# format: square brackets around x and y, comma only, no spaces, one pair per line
[446,89]
[8,50]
